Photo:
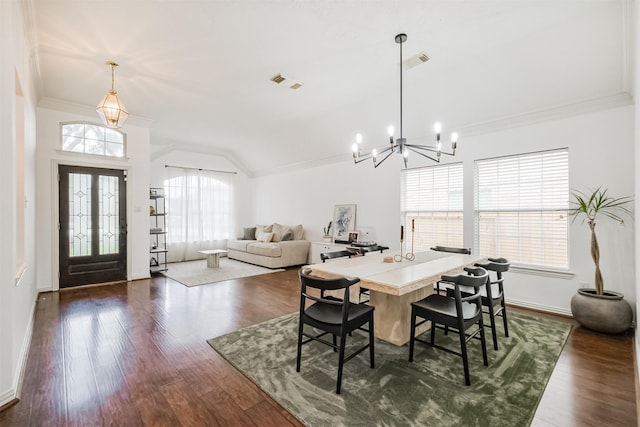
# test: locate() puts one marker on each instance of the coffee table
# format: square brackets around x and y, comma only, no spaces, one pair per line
[213,257]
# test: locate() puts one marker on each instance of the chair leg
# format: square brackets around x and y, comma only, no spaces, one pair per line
[483,342]
[371,340]
[433,332]
[412,337]
[492,320]
[463,352]
[334,343]
[299,346]
[343,338]
[504,317]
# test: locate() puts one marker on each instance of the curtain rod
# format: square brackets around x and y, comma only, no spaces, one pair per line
[200,169]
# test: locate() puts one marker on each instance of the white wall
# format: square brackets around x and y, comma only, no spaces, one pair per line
[50,115]
[600,151]
[17,300]
[243,185]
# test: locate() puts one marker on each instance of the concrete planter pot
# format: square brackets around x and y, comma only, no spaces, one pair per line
[608,313]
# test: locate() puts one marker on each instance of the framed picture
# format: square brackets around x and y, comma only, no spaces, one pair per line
[344,221]
[353,236]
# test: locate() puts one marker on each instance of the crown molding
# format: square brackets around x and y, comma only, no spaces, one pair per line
[70,107]
[617,100]
[31,37]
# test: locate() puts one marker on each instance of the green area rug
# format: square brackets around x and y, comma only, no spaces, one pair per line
[428,392]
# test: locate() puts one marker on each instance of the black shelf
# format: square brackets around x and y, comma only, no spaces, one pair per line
[158,239]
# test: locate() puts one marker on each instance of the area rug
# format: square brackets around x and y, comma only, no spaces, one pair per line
[194,273]
[428,392]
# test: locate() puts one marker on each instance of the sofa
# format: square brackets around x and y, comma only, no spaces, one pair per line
[271,246]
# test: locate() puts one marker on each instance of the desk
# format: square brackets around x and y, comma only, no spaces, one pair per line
[394,286]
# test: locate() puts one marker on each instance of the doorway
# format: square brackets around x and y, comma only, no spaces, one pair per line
[92,225]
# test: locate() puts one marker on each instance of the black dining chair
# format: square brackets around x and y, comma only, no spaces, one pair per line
[494,295]
[463,251]
[458,313]
[334,316]
[338,254]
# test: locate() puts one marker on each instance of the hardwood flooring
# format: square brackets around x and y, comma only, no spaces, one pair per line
[136,354]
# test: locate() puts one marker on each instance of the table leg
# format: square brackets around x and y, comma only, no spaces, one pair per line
[392,316]
[213,260]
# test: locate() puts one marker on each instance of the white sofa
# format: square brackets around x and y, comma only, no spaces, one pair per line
[273,246]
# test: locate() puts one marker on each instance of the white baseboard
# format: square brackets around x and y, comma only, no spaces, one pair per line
[539,307]
[7,396]
[14,392]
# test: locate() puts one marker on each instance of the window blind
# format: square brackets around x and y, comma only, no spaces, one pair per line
[432,196]
[521,205]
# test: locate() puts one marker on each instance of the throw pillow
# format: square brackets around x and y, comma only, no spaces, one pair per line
[287,236]
[278,231]
[249,233]
[262,236]
[298,232]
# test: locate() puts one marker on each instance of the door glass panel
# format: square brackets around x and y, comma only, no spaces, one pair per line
[79,214]
[109,219]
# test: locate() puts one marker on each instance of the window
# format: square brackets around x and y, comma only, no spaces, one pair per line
[432,196]
[199,211]
[92,139]
[521,205]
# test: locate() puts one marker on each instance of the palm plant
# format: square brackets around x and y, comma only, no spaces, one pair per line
[590,205]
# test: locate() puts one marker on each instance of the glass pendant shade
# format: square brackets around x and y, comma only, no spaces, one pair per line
[112,110]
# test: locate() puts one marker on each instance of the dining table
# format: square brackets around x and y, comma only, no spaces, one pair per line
[394,282]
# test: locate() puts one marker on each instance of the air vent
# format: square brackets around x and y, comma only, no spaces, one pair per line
[286,82]
[278,78]
[415,60]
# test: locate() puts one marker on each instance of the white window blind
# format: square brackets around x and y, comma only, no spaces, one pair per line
[521,205]
[432,196]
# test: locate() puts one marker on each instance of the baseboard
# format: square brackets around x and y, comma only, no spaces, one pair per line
[12,396]
[539,307]
[8,399]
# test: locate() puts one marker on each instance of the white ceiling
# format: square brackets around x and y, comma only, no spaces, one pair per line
[201,69]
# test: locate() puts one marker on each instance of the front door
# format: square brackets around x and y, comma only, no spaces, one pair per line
[93,225]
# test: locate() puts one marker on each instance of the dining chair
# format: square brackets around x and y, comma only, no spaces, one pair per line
[494,295]
[458,313]
[464,251]
[331,315]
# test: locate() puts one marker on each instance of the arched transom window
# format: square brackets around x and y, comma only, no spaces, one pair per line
[90,138]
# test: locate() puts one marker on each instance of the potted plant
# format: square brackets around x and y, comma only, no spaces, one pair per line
[595,308]
[327,232]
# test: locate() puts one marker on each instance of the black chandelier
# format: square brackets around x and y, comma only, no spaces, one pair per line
[400,145]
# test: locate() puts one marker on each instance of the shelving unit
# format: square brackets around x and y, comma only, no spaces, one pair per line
[157,231]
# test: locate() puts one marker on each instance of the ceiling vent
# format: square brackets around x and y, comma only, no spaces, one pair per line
[415,60]
[286,82]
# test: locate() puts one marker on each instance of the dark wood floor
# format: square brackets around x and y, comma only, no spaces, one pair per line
[136,354]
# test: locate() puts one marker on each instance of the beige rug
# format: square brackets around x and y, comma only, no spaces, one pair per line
[194,273]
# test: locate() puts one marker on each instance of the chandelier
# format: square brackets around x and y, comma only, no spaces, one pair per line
[400,145]
[111,109]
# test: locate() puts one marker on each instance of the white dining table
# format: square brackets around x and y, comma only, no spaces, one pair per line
[393,286]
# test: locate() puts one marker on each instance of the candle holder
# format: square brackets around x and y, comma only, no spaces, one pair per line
[409,256]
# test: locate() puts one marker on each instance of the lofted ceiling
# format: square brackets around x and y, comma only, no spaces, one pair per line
[201,69]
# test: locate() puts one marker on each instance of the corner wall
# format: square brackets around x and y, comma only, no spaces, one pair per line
[17,297]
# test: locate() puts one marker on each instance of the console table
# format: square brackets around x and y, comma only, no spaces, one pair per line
[394,286]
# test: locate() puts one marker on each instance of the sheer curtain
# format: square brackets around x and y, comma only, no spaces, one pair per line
[199,211]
